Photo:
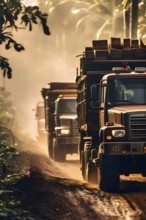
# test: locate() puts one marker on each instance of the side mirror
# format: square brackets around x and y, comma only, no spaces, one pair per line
[95,96]
[52,107]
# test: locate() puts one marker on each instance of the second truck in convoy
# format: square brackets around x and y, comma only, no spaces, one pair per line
[40,119]
[111,108]
[61,119]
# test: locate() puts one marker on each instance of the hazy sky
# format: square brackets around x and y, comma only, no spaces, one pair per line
[44,60]
[32,70]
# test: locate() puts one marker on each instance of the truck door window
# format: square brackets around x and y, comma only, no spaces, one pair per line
[114,91]
[103,92]
[95,96]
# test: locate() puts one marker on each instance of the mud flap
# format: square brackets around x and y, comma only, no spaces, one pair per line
[92,172]
[58,153]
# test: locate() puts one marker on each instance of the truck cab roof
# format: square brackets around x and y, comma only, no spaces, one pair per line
[123,75]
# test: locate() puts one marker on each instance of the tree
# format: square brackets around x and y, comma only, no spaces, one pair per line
[6,107]
[15,15]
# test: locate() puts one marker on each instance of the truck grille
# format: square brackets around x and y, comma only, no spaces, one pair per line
[137,126]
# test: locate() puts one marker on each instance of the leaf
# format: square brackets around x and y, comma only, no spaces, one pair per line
[38,13]
[45,15]
[35,8]
[45,27]
[8,46]
[2,37]
[9,17]
[30,26]
[18,47]
[7,33]
[4,64]
[16,17]
[9,73]
[46,30]
[4,72]
[34,19]
[28,9]
[2,20]
[25,18]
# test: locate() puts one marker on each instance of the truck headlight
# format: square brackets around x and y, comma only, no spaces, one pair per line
[118,133]
[65,131]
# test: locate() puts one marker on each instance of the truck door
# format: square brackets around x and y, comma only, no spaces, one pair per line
[102,105]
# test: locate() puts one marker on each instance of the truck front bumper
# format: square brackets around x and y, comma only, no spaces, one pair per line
[130,157]
[123,148]
[68,144]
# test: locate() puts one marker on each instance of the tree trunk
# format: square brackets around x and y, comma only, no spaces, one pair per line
[134,24]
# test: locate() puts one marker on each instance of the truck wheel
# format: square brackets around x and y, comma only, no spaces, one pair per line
[85,160]
[92,172]
[58,154]
[108,174]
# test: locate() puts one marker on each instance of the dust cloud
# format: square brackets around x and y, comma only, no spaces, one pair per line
[34,158]
[32,70]
[45,59]
[51,58]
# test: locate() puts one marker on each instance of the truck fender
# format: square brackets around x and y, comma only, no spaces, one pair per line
[100,135]
[93,154]
[99,155]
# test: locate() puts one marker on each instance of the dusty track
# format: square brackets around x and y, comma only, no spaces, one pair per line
[53,191]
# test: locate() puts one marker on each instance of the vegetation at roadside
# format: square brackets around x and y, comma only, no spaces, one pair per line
[10,197]
[7,143]
[14,15]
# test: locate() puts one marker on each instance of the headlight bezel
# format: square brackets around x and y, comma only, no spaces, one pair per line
[114,133]
[65,132]
[118,133]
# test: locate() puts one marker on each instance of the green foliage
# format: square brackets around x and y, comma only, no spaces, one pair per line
[11,12]
[6,108]
[7,148]
[11,199]
[4,64]
[7,144]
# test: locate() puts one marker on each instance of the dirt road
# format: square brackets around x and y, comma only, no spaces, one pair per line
[57,191]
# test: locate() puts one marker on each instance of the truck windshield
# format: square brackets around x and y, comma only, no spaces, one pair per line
[67,106]
[126,91]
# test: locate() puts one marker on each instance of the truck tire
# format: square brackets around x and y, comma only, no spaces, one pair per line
[85,160]
[108,174]
[92,172]
[58,153]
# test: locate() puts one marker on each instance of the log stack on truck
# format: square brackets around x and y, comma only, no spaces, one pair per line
[61,119]
[111,108]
